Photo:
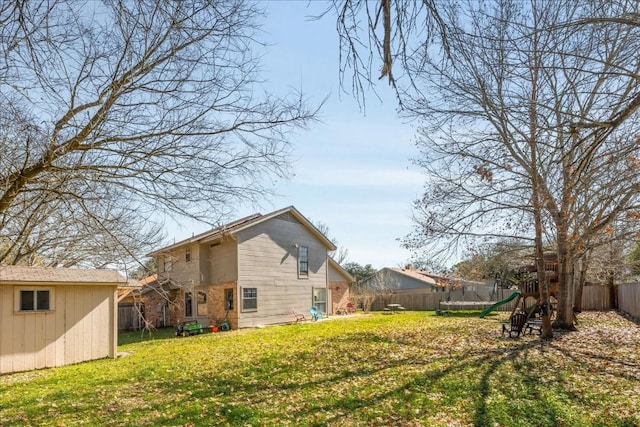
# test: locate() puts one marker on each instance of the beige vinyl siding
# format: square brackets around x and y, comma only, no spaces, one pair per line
[81,327]
[202,262]
[268,261]
[335,276]
[223,262]
[182,272]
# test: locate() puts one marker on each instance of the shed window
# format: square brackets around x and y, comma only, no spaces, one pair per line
[249,299]
[187,255]
[303,261]
[35,300]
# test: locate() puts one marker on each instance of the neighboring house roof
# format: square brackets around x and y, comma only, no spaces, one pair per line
[401,278]
[67,276]
[124,290]
[149,279]
[341,270]
[247,222]
[151,283]
[421,275]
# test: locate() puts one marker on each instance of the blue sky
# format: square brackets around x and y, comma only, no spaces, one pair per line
[353,170]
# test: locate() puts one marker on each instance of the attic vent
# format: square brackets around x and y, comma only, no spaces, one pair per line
[214,244]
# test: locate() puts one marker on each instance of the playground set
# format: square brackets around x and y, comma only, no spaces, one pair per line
[528,288]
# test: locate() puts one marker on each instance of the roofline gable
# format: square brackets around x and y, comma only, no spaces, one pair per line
[244,223]
[296,213]
[333,263]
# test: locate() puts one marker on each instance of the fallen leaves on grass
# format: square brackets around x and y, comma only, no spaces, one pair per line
[414,369]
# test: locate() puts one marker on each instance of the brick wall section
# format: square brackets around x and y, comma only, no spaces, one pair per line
[339,295]
[216,304]
[153,302]
[174,302]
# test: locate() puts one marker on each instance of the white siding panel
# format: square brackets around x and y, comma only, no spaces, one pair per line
[268,261]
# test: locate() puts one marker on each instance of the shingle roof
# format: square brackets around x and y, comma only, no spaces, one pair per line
[20,274]
[417,274]
[244,223]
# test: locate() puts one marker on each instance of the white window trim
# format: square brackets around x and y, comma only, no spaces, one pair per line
[248,310]
[302,275]
[17,293]
[226,300]
[325,301]
[202,305]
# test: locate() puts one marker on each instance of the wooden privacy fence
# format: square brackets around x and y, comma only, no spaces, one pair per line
[593,298]
[129,316]
[596,298]
[414,299]
[629,299]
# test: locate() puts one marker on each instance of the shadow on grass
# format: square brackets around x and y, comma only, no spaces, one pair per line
[530,389]
[386,376]
[457,313]
[443,374]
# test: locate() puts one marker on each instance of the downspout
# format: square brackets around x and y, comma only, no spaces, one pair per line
[326,283]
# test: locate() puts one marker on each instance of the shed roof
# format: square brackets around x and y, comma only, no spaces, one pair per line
[44,275]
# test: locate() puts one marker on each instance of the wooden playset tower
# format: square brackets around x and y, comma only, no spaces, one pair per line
[529,286]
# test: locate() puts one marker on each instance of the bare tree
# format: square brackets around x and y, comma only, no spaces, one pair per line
[148,107]
[516,125]
[341,254]
[379,286]
[374,35]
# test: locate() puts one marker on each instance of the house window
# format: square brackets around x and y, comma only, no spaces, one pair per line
[202,304]
[249,299]
[187,255]
[303,261]
[188,304]
[168,263]
[35,300]
[228,299]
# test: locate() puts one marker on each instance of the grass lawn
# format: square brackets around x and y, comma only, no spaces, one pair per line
[410,369]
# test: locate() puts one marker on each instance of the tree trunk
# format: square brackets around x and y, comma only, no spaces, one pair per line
[577,300]
[613,291]
[543,289]
[536,199]
[564,318]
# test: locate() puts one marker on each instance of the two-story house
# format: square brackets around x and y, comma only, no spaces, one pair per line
[254,271]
